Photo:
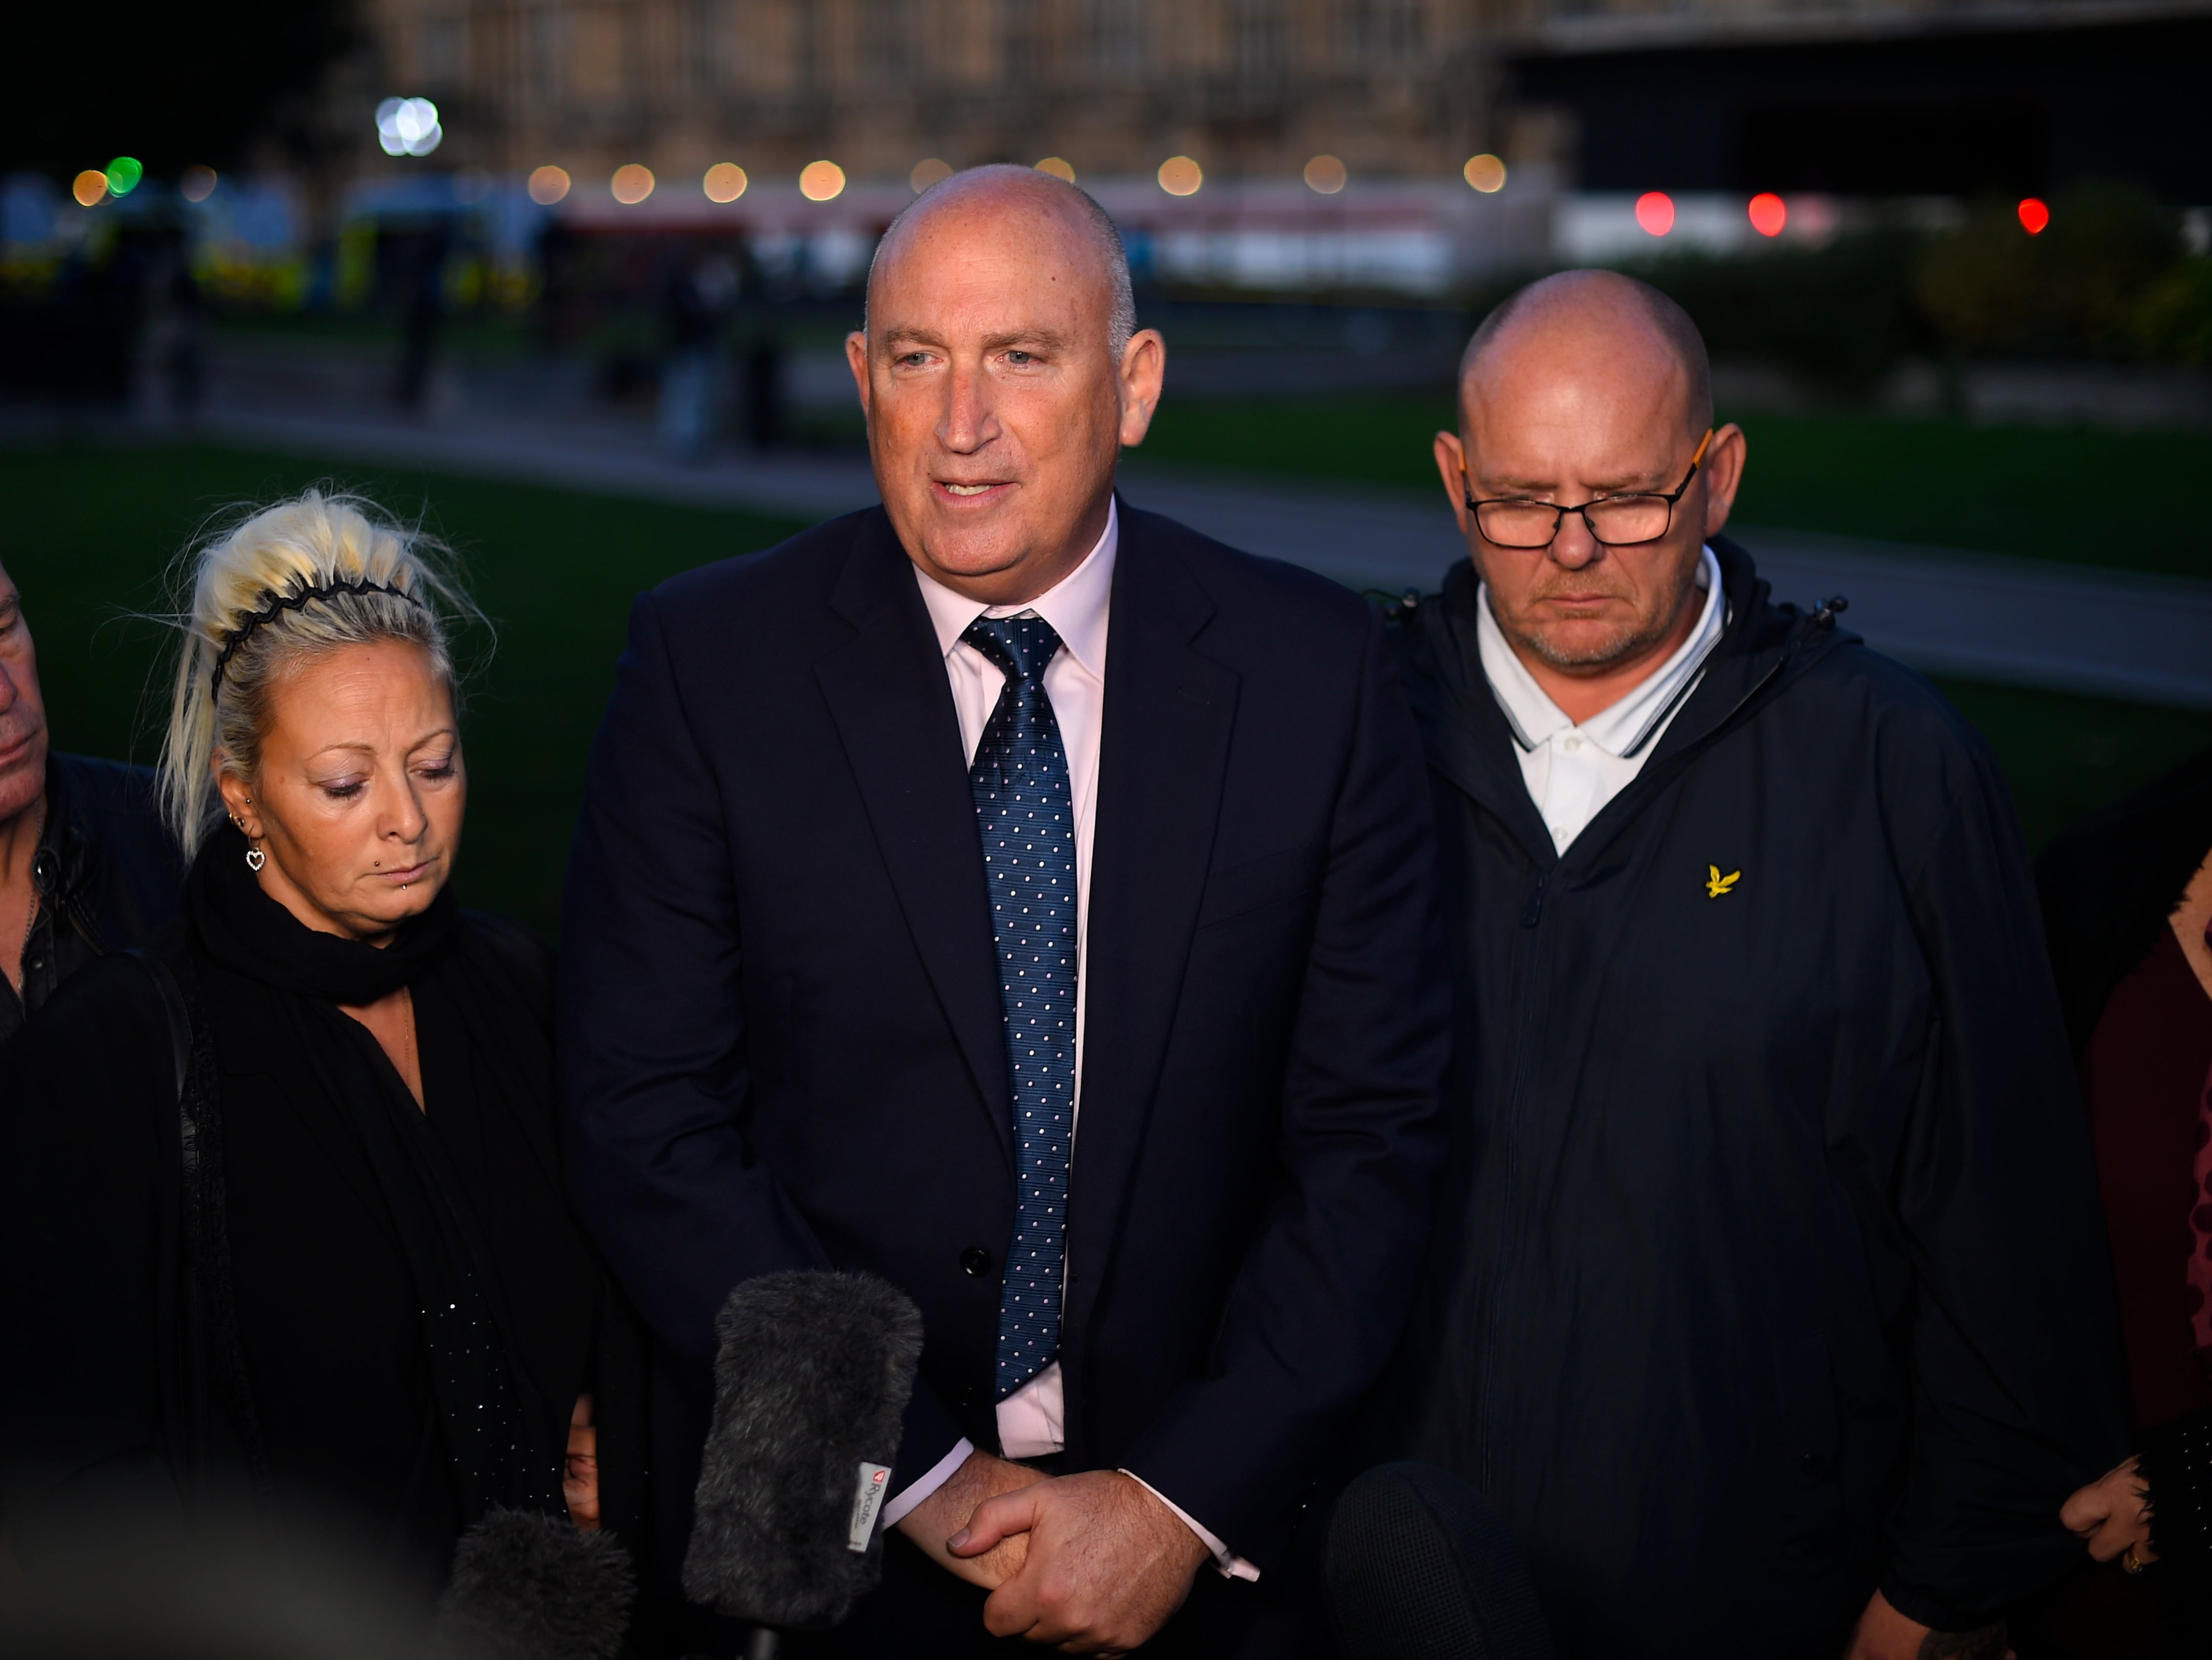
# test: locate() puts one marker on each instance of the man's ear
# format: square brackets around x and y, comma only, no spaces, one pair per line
[1451,467]
[1723,471]
[856,356]
[1143,372]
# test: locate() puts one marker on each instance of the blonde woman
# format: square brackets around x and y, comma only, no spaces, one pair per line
[280,1211]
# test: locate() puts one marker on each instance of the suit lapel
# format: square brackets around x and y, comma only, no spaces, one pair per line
[887,692]
[1162,754]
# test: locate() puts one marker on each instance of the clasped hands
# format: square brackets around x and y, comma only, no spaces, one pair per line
[2111,1515]
[1093,1564]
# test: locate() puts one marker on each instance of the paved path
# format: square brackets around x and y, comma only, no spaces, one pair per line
[1980,617]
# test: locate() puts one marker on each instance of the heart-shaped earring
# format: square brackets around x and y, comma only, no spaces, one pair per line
[255,859]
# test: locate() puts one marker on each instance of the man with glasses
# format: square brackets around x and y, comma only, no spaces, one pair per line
[1769,1305]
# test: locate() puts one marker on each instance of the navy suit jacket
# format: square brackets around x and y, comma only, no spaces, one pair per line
[781,1042]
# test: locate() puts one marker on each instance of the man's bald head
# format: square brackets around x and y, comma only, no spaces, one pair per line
[1589,387]
[1599,307]
[1002,373]
[1003,192]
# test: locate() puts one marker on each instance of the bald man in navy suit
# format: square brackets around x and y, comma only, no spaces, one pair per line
[1027,900]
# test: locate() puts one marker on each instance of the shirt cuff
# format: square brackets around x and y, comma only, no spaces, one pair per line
[907,1500]
[1226,1562]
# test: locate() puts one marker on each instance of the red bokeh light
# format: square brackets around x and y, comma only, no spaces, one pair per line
[1769,214]
[1655,212]
[2034,214]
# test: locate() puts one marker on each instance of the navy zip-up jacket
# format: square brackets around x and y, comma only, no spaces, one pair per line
[1770,1267]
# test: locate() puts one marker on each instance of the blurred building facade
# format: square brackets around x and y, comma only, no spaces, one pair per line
[1251,88]
[1404,90]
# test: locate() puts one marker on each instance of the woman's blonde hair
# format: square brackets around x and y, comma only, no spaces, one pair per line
[279,583]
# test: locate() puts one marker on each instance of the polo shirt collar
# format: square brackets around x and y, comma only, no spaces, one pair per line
[1625,727]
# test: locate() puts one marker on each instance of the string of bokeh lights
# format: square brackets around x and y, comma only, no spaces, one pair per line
[411,127]
[1770,214]
[633,183]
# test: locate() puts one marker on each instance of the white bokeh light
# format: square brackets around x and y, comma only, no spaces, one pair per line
[408,127]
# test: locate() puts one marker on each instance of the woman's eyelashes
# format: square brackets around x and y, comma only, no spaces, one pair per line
[432,769]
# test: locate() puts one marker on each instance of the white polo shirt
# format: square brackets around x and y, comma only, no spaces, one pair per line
[1572,771]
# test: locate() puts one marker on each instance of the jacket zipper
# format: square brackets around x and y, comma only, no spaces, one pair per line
[1533,912]
[1532,917]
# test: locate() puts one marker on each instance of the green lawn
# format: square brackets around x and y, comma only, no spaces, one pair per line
[2092,497]
[86,533]
[2065,754]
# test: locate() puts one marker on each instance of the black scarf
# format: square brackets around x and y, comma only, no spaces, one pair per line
[485,1401]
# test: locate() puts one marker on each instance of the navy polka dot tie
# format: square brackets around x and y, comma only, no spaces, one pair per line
[1026,815]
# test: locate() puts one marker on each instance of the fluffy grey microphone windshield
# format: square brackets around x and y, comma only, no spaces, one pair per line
[811,1381]
[527,1586]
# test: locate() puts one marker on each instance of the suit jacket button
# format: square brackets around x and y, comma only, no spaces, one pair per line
[974,1262]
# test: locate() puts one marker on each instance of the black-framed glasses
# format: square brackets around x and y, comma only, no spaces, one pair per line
[1615,521]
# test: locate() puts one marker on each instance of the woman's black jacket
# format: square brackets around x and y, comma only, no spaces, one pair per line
[131,1382]
[1769,1267]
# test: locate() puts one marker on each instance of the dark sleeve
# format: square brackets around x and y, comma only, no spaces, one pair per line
[655,1067]
[80,1262]
[2013,1336]
[1325,1286]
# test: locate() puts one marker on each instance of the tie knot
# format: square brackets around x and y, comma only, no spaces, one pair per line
[1020,647]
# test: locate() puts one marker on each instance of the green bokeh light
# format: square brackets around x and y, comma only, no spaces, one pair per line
[124,173]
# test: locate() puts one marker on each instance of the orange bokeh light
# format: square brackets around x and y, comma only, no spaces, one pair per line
[631,184]
[1485,172]
[1655,212]
[821,181]
[1180,176]
[2034,214]
[547,185]
[1769,213]
[89,187]
[725,181]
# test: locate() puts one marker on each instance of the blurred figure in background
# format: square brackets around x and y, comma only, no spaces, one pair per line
[699,294]
[85,866]
[2127,899]
[280,1209]
[1770,1307]
[764,392]
[422,310]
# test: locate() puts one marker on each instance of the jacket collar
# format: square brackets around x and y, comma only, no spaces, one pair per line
[1164,749]
[886,691]
[1631,722]
[68,846]
[1170,708]
[1764,648]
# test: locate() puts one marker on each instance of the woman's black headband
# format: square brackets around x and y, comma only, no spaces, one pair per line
[278,605]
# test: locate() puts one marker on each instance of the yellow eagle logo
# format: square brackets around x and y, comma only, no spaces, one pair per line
[1716,885]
